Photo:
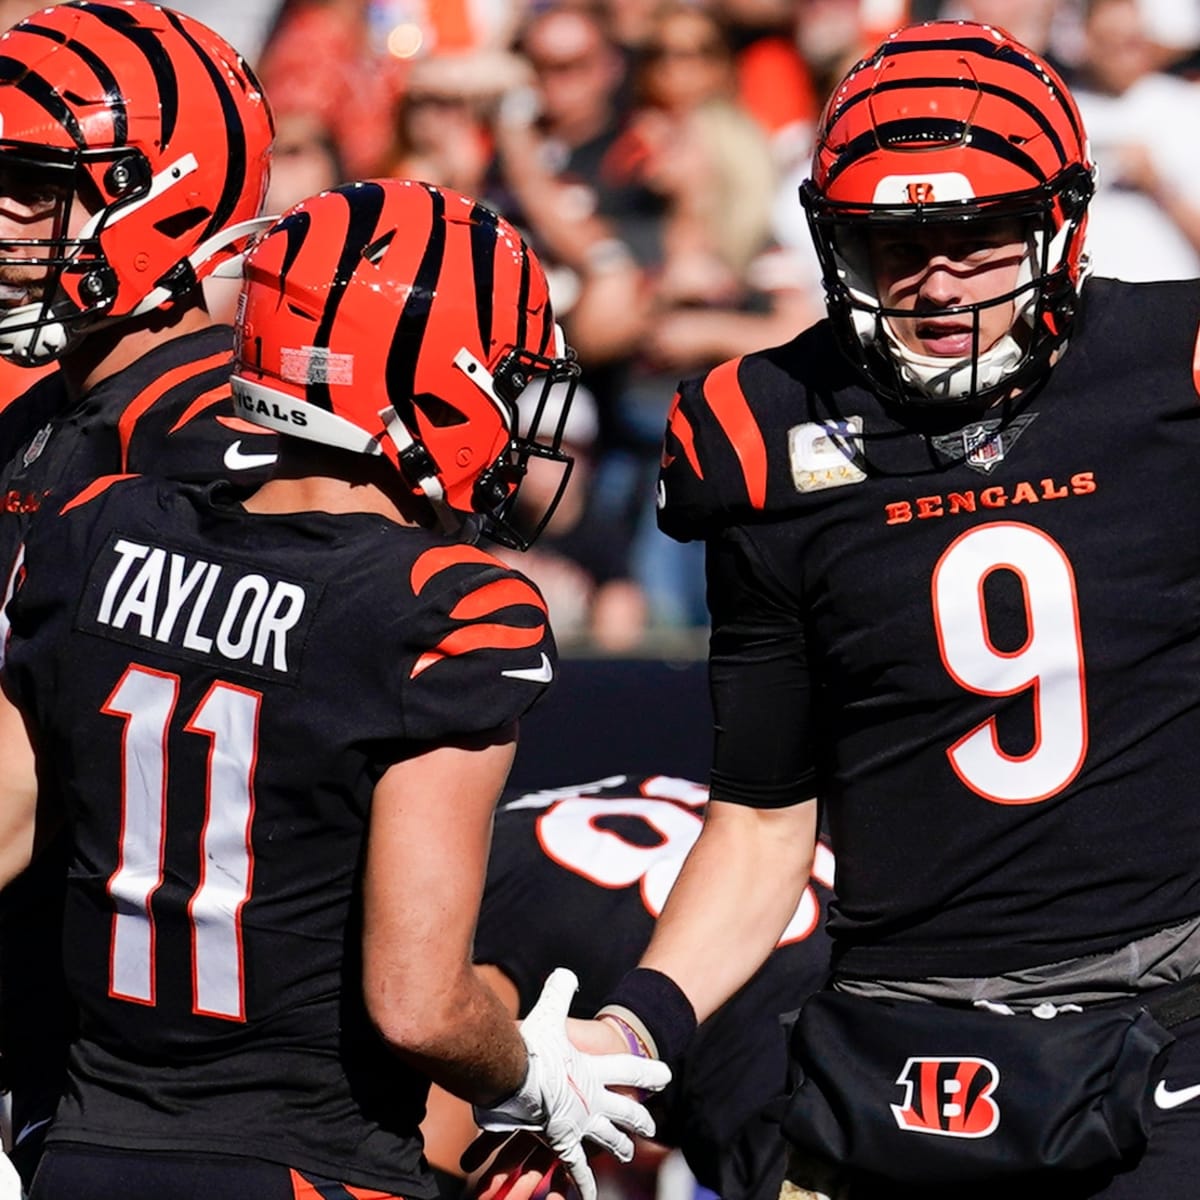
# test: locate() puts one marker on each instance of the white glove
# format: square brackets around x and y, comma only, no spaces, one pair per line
[566,1095]
[10,1181]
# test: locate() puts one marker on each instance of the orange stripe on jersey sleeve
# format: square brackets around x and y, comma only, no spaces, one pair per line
[144,401]
[681,429]
[501,593]
[93,489]
[441,557]
[728,404]
[207,400]
[478,637]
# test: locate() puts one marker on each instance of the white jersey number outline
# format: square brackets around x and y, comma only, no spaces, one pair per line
[1049,665]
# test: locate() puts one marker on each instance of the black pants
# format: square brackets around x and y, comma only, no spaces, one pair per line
[78,1172]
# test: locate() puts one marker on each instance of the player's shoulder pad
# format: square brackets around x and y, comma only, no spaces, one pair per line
[98,487]
[481,648]
[1156,322]
[725,453]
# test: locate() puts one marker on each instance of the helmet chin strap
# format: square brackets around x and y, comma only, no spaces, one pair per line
[946,380]
[29,340]
[448,519]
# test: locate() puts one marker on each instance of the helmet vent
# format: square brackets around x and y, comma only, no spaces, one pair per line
[176,225]
[437,412]
[376,250]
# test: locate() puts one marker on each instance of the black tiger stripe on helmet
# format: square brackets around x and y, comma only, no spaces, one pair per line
[398,318]
[158,131]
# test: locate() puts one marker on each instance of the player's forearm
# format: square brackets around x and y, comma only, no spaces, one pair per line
[462,1038]
[732,900]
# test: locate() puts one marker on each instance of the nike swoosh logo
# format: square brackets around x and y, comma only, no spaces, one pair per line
[30,1127]
[237,460]
[542,673]
[1165,1097]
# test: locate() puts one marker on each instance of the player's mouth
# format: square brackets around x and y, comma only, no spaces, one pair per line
[946,338]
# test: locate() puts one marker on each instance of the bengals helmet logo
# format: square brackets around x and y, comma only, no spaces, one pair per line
[948,1096]
[920,193]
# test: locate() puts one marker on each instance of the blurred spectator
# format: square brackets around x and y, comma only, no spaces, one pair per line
[443,126]
[1141,123]
[715,289]
[689,87]
[580,568]
[774,84]
[571,127]
[832,37]
[322,59]
[304,161]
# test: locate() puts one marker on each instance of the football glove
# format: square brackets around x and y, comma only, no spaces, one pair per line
[10,1181]
[566,1096]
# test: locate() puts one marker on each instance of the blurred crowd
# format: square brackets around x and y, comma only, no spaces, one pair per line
[651,151]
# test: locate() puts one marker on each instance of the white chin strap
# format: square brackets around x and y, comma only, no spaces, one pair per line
[947,380]
[30,341]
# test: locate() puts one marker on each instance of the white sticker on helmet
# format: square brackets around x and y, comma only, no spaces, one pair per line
[315,364]
[923,189]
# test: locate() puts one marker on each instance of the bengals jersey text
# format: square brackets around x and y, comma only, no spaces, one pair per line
[216,694]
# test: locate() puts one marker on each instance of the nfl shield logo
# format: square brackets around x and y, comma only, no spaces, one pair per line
[34,449]
[983,446]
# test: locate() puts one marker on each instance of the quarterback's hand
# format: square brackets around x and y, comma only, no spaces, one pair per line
[567,1095]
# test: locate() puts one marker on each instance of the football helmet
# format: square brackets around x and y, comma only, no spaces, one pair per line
[951,121]
[394,317]
[139,142]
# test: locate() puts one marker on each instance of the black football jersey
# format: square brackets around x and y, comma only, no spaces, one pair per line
[977,639]
[577,878]
[215,695]
[169,414]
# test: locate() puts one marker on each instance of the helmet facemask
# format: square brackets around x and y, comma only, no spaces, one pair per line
[535,393]
[40,319]
[1042,301]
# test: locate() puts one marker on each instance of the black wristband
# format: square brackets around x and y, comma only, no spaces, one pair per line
[659,1003]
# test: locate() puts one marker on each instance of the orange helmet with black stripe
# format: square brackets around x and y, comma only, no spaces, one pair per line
[951,121]
[139,142]
[398,318]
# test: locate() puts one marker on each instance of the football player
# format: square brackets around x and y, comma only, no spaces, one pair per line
[588,868]
[955,594]
[276,730]
[134,156]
